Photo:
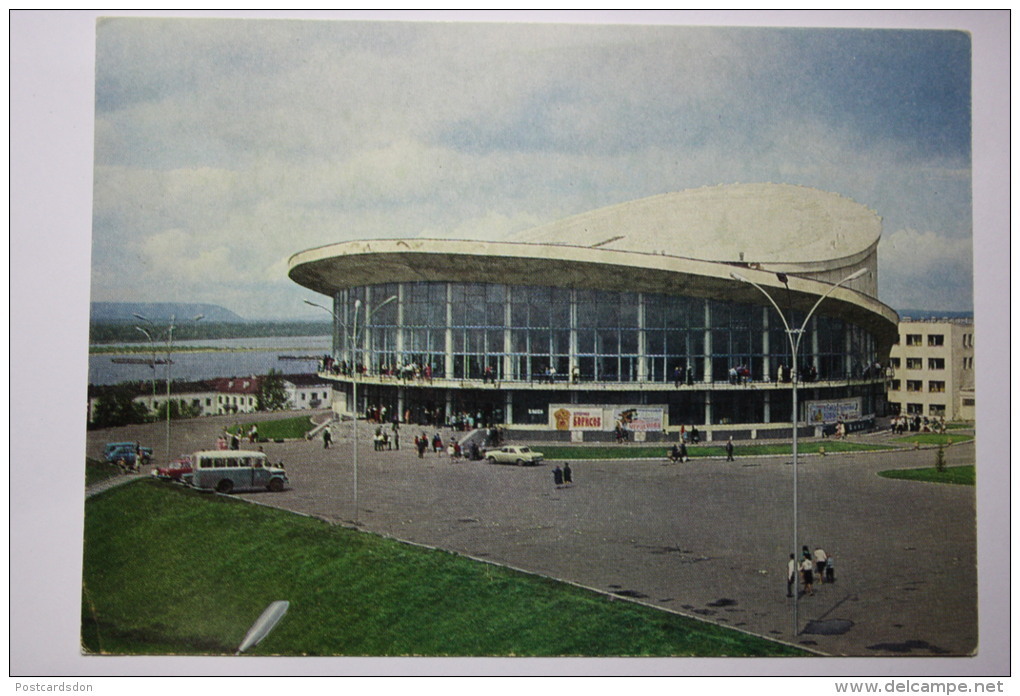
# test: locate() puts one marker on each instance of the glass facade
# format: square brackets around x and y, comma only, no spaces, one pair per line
[535,334]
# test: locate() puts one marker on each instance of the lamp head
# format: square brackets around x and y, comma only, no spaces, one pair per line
[737,276]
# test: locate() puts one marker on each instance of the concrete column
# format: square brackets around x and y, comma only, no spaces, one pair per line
[708,409]
[814,342]
[400,403]
[708,343]
[766,363]
[642,346]
[365,332]
[508,407]
[573,331]
[507,338]
[338,340]
[448,344]
[847,345]
[400,326]
[768,407]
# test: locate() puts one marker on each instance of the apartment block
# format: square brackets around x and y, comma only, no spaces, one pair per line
[932,369]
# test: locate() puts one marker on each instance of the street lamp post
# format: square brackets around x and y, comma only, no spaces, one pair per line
[353,337]
[169,362]
[152,347]
[794,336]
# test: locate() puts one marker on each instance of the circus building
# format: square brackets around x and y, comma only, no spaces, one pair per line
[658,314]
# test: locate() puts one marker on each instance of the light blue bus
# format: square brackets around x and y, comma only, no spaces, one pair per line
[226,471]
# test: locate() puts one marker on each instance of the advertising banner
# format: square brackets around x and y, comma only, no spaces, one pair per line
[571,417]
[605,418]
[638,419]
[819,412]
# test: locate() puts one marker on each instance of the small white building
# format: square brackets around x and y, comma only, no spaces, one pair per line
[307,391]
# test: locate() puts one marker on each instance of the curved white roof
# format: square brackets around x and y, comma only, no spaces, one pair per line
[749,223]
[685,243]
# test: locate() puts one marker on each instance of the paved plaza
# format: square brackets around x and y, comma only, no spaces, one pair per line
[709,539]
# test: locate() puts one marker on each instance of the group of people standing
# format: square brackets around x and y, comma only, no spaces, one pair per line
[564,476]
[918,424]
[811,565]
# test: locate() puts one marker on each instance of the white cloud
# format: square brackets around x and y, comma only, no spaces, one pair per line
[236,145]
[925,270]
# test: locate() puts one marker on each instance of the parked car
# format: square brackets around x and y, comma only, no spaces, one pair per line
[176,470]
[127,452]
[521,456]
[235,470]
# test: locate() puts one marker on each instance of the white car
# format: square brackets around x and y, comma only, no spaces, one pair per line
[521,456]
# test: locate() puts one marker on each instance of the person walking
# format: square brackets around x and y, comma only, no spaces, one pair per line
[568,475]
[683,452]
[729,449]
[327,438]
[820,560]
[830,568]
[807,575]
[791,575]
[558,476]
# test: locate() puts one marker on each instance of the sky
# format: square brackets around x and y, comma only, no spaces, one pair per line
[224,146]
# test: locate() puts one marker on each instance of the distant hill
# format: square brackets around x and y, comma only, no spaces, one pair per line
[160,312]
[924,314]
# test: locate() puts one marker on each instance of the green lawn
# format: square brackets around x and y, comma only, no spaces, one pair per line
[935,438]
[634,451]
[962,475]
[285,428]
[169,570]
[96,471]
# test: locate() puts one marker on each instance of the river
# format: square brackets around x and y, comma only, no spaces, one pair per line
[229,357]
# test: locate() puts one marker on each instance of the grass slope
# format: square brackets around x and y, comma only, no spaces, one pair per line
[961,475]
[694,451]
[96,471]
[171,571]
[935,438]
[285,428]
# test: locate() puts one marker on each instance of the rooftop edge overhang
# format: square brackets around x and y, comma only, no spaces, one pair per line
[335,267]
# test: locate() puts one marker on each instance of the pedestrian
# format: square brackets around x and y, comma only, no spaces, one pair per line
[235,439]
[327,438]
[683,452]
[729,450]
[674,454]
[568,475]
[791,575]
[558,476]
[830,568]
[820,559]
[807,575]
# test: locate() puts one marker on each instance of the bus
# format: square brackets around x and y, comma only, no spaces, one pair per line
[228,471]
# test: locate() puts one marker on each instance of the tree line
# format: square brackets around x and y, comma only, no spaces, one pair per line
[125,332]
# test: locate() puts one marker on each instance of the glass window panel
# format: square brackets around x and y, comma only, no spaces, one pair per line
[655,343]
[561,342]
[629,342]
[519,341]
[608,343]
[585,341]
